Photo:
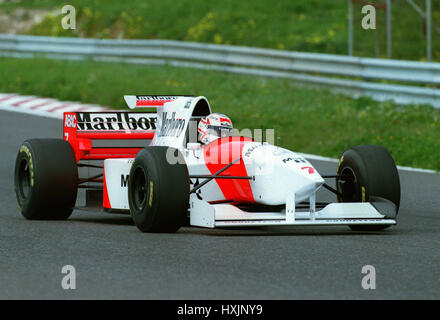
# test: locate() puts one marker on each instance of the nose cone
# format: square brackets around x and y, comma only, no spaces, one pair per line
[278,173]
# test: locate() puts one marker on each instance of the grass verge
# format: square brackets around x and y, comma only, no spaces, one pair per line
[305,119]
[300,25]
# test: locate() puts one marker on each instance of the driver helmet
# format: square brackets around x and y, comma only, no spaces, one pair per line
[214,126]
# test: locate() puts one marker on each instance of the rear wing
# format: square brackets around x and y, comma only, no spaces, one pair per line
[80,128]
[174,113]
[143,101]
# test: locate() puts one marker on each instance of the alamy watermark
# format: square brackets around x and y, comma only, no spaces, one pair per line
[222,153]
[69,280]
[369,20]
[369,280]
[69,20]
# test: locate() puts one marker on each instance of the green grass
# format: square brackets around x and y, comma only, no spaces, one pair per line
[306,120]
[301,25]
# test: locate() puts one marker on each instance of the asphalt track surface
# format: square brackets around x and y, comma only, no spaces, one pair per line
[113,260]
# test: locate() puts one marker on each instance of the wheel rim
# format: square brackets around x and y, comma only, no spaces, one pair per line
[24,180]
[348,186]
[140,189]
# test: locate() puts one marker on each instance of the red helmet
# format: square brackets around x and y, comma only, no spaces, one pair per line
[214,126]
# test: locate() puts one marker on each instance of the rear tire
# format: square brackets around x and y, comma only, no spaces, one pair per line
[46,179]
[374,175]
[158,192]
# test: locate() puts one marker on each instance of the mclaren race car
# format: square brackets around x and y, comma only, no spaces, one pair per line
[153,165]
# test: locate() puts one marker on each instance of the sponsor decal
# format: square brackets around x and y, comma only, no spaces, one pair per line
[150,201]
[70,121]
[171,127]
[26,150]
[115,121]
[339,163]
[188,103]
[18,203]
[124,180]
[353,220]
[279,151]
[311,170]
[198,191]
[156,98]
[297,160]
[251,149]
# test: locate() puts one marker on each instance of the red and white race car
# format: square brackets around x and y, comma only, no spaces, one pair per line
[154,166]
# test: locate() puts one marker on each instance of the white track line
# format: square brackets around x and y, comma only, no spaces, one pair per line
[321,158]
[52,108]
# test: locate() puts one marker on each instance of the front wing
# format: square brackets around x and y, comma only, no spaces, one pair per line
[204,214]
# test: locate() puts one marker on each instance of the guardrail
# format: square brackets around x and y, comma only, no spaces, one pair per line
[353,75]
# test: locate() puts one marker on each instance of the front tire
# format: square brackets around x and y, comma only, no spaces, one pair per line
[46,179]
[158,191]
[369,174]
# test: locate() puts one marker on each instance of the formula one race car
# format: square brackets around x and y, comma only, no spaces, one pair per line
[174,173]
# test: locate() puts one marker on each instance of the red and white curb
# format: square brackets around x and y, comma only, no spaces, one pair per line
[44,107]
[52,108]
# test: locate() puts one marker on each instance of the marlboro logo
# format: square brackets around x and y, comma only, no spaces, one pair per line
[115,121]
[171,127]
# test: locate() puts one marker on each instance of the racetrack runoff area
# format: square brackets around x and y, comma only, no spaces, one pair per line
[113,260]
